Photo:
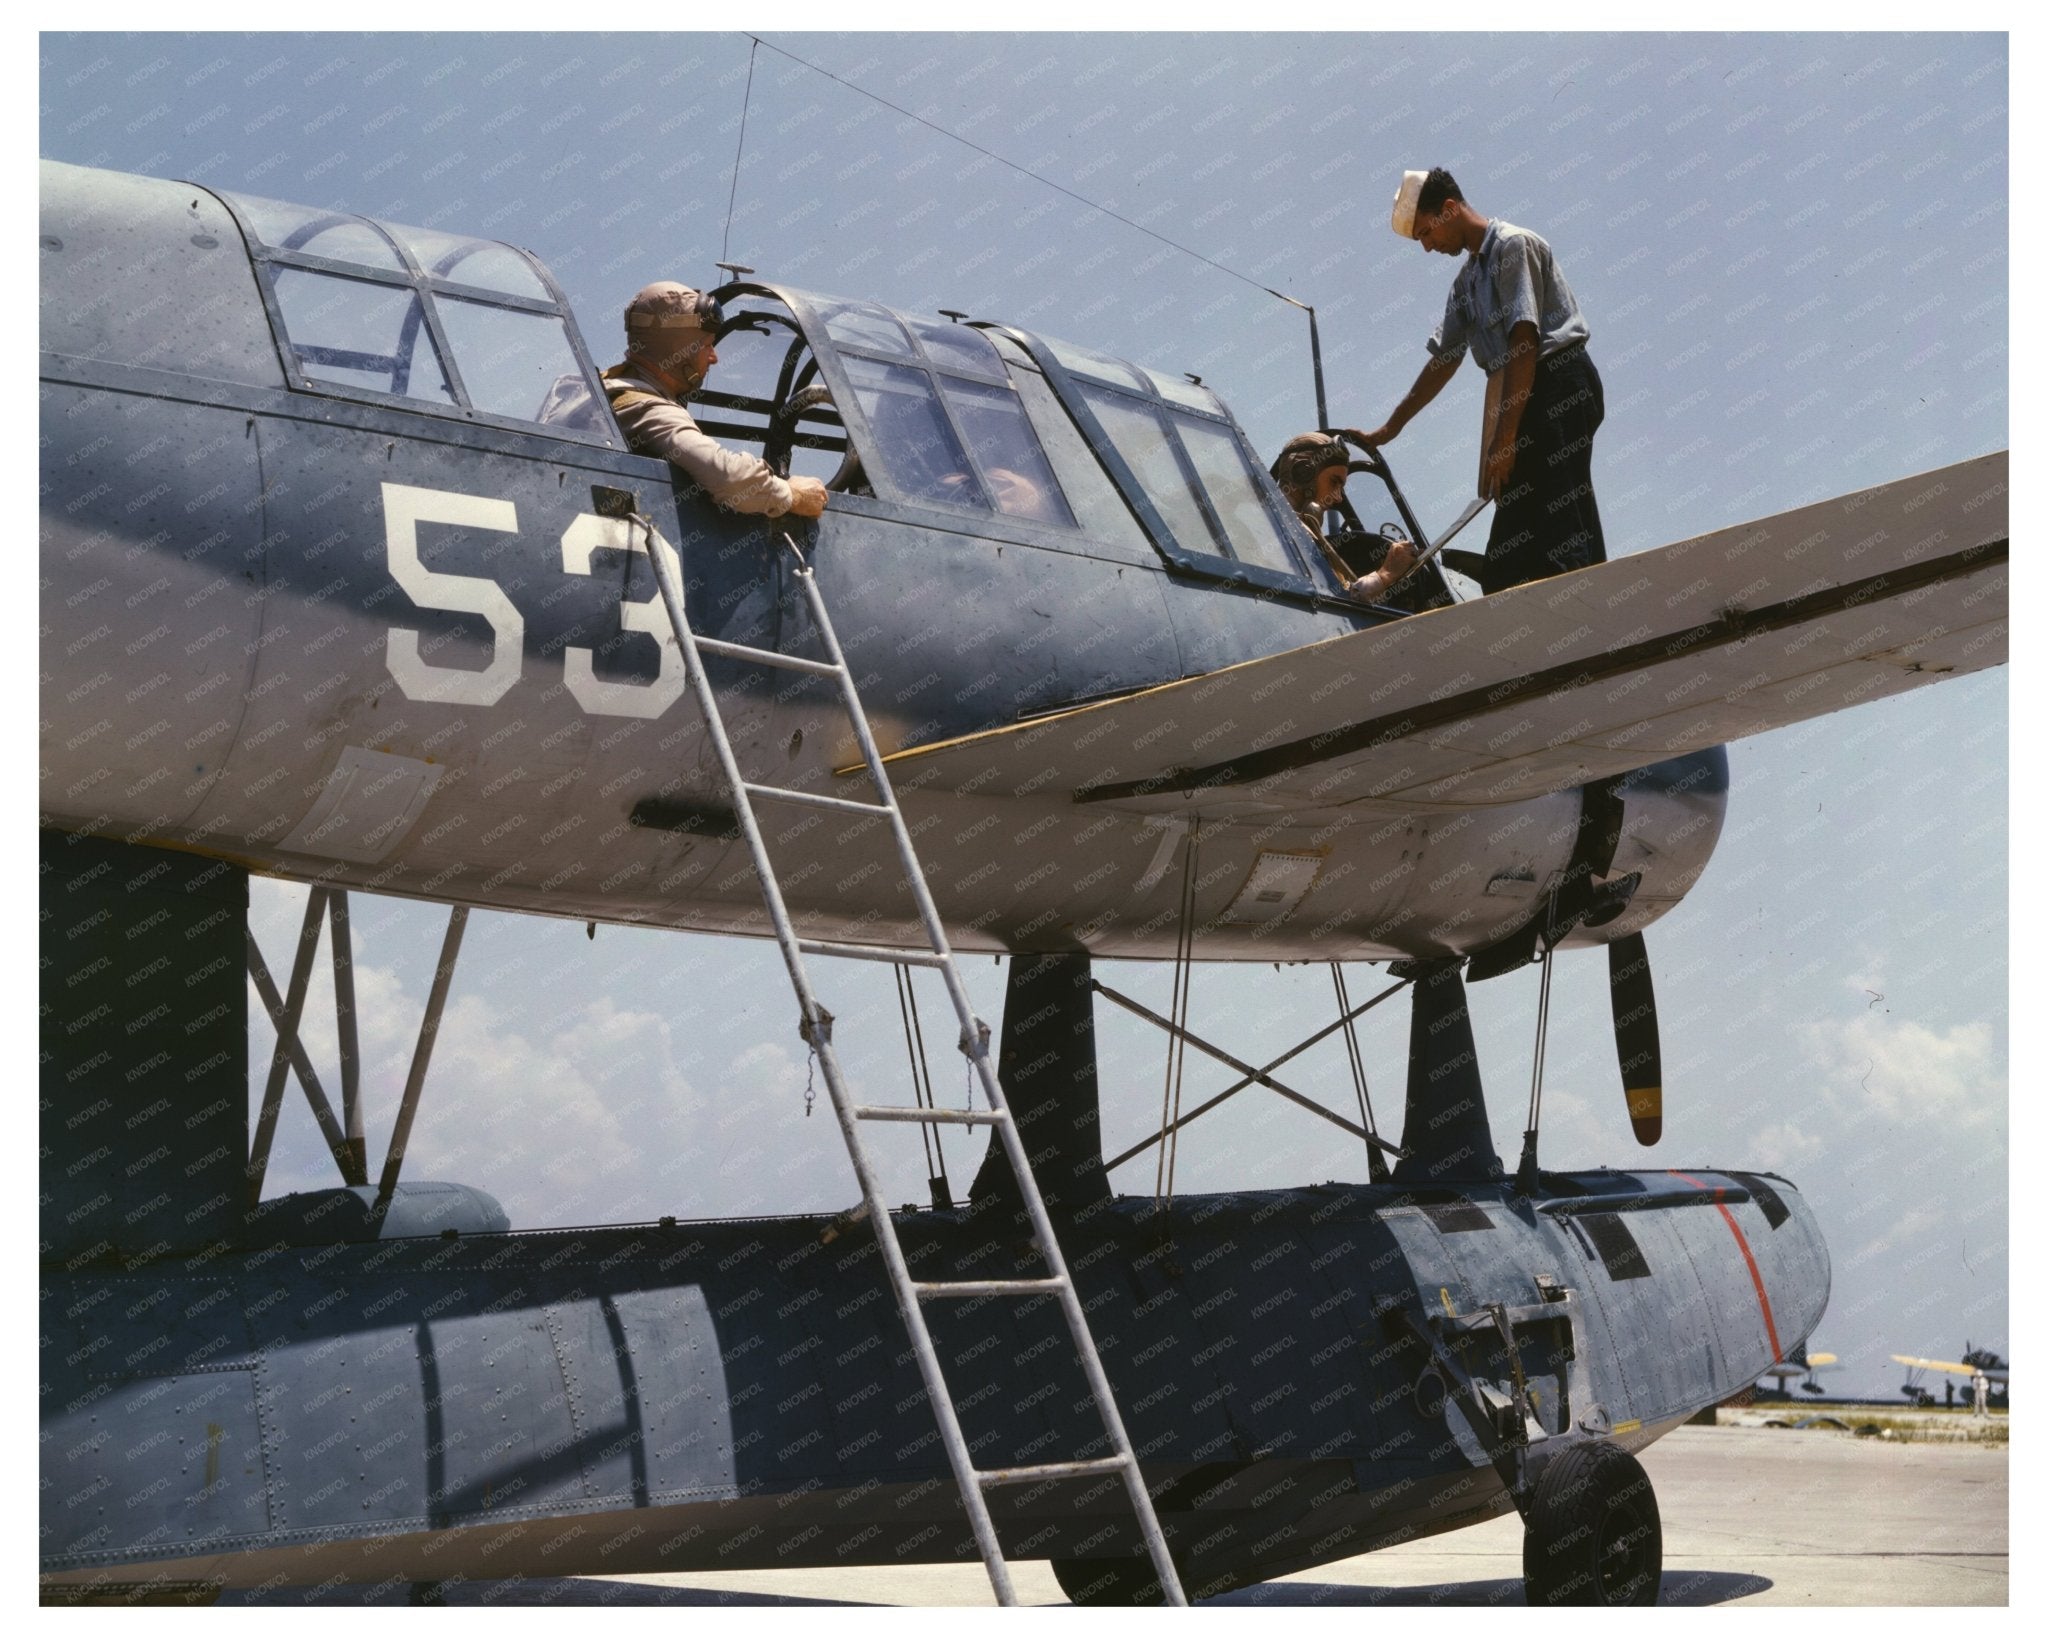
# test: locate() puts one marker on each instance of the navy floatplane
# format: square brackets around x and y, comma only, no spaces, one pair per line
[1988,1378]
[347,579]
[1798,1366]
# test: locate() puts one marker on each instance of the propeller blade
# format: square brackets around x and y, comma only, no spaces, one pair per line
[1635,1035]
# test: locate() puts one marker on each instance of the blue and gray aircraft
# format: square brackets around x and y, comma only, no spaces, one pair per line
[348,579]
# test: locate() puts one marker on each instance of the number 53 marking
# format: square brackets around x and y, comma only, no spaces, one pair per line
[406,508]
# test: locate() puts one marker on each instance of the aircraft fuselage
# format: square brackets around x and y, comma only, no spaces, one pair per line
[338,639]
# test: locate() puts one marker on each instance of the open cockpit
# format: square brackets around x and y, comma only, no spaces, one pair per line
[983,425]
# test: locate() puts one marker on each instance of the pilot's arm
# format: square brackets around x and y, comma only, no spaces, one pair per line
[734,479]
[1370,588]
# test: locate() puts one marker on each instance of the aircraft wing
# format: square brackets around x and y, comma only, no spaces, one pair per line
[1995,1374]
[1549,685]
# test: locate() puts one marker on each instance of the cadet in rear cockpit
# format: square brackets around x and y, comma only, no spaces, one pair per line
[670,346]
[1310,472]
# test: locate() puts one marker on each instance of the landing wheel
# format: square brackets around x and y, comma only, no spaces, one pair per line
[1117,1583]
[1592,1535]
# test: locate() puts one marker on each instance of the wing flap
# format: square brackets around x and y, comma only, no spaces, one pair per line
[1552,684]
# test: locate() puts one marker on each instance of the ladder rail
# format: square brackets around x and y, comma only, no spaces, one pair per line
[818,1033]
[1013,1142]
[907,1291]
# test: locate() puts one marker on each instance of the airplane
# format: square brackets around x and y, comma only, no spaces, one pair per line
[1989,1376]
[1799,1365]
[348,580]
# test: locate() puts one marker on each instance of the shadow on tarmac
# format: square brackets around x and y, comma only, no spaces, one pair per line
[1681,1588]
[530,1592]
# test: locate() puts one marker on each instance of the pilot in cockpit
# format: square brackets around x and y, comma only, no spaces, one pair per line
[670,346]
[1311,471]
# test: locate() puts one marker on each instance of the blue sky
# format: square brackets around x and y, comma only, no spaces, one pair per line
[1793,255]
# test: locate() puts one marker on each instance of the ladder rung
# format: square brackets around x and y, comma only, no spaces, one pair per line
[940,1117]
[870,952]
[972,1482]
[809,799]
[986,1288]
[767,656]
[1051,1470]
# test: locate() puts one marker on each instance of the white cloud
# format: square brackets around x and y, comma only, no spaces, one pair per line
[1879,1064]
[565,1120]
[1784,1147]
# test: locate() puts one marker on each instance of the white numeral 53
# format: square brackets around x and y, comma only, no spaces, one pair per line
[406,508]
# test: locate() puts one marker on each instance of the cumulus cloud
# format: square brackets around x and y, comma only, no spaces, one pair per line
[574,1117]
[1896,1069]
[1784,1148]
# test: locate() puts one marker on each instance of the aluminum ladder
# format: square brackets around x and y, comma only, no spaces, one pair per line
[816,1030]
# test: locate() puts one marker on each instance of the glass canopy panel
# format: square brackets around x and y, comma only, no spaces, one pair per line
[1234,494]
[1084,362]
[862,324]
[1103,511]
[912,445]
[482,262]
[510,361]
[357,334]
[1007,451]
[318,232]
[956,347]
[1183,391]
[1143,441]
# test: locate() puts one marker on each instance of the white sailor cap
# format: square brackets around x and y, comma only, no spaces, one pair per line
[1404,202]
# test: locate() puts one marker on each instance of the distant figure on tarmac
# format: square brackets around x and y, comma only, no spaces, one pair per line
[1512,308]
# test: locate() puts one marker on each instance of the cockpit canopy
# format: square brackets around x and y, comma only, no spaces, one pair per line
[943,418]
[383,311]
[988,420]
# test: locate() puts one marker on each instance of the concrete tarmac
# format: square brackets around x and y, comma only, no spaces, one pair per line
[1751,1516]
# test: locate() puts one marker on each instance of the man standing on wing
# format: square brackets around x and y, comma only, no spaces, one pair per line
[1511,306]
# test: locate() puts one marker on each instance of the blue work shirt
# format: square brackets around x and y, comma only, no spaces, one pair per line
[1510,278]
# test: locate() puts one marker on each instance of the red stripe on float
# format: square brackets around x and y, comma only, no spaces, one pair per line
[1763,1297]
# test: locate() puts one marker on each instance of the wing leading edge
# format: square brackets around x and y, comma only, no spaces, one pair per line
[1549,685]
[1996,1373]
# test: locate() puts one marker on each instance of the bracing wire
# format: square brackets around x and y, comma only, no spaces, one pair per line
[1375,1164]
[725,247]
[920,1072]
[1176,1046]
[1542,1045]
[1025,170]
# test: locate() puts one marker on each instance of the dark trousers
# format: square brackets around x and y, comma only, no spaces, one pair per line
[1546,521]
